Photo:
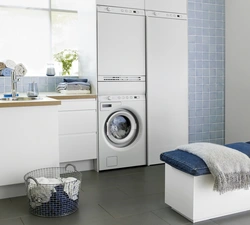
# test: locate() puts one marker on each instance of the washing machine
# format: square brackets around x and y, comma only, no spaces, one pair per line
[122,131]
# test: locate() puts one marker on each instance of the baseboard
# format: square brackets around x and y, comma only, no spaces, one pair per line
[81,165]
[10,191]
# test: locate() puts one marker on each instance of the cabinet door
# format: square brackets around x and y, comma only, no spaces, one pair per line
[77,130]
[167,86]
[237,79]
[121,44]
[77,147]
[75,122]
[77,104]
[177,6]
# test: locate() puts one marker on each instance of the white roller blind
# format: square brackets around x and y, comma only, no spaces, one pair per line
[26,3]
[65,4]
[32,32]
[25,38]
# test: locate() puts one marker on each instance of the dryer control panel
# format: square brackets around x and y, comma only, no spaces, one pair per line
[122,98]
[127,11]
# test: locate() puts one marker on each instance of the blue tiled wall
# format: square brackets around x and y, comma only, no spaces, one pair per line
[45,84]
[206,30]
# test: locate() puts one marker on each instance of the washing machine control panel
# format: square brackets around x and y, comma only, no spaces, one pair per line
[122,97]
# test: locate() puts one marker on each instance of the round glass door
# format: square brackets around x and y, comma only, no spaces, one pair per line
[121,128]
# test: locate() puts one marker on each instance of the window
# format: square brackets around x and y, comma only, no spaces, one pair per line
[33,31]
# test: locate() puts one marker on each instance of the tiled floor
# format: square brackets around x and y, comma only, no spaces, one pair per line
[132,196]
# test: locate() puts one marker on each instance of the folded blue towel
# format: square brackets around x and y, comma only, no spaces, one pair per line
[69,80]
[73,86]
[6,72]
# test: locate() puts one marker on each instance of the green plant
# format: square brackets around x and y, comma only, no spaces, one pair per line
[66,57]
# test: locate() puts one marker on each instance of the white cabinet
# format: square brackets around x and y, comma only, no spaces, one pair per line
[121,42]
[29,141]
[167,84]
[77,130]
[175,6]
[237,79]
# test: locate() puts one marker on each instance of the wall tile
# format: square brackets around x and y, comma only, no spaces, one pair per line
[207,71]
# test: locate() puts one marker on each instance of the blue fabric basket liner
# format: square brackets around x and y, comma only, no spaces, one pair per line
[193,164]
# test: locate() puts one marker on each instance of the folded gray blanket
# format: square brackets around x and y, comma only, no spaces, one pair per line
[230,168]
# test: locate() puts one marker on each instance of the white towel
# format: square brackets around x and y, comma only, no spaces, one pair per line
[10,64]
[71,187]
[230,168]
[20,70]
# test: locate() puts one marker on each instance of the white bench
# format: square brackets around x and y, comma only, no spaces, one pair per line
[194,198]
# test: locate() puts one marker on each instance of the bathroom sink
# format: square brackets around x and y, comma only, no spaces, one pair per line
[21,99]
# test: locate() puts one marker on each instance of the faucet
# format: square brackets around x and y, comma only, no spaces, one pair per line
[14,81]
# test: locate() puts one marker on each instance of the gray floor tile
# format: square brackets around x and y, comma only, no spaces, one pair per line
[85,215]
[156,176]
[134,206]
[15,221]
[171,216]
[98,182]
[130,196]
[110,221]
[208,222]
[174,218]
[145,219]
[14,207]
[92,174]
[236,219]
[97,196]
[142,188]
[35,220]
[102,182]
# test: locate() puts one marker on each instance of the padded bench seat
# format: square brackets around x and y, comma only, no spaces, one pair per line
[192,195]
[194,165]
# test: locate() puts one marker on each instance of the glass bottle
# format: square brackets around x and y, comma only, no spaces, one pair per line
[50,69]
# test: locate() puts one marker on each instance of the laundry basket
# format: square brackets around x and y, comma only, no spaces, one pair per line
[54,191]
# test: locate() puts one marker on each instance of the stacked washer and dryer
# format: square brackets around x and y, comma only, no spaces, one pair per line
[121,87]
[138,38]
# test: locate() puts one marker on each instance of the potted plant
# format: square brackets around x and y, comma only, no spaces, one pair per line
[66,57]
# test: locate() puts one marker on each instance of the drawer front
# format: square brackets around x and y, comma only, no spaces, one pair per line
[76,122]
[77,147]
[78,104]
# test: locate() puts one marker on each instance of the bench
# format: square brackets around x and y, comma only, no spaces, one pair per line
[189,187]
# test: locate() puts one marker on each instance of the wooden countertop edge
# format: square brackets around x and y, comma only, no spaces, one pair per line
[62,97]
[48,102]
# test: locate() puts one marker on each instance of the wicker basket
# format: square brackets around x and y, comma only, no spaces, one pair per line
[58,198]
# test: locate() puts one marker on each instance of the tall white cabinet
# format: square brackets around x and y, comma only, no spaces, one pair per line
[237,78]
[174,6]
[167,77]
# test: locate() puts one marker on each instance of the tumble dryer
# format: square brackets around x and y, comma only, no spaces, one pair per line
[122,137]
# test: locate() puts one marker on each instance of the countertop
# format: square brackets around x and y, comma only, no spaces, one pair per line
[60,96]
[44,99]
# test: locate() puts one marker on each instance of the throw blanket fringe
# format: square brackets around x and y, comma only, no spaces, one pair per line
[230,168]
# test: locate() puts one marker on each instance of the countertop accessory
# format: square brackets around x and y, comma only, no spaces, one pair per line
[50,69]
[54,191]
[32,90]
[9,95]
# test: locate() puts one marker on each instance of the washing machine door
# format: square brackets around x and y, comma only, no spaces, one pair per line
[121,128]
